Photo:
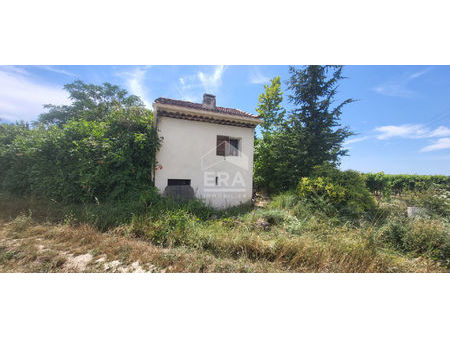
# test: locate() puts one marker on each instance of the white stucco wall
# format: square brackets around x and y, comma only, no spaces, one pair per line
[188,151]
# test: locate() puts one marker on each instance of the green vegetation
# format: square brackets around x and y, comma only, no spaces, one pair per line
[293,142]
[267,154]
[82,178]
[336,192]
[285,235]
[96,149]
[381,183]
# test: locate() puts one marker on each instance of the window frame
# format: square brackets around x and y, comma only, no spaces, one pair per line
[178,182]
[223,146]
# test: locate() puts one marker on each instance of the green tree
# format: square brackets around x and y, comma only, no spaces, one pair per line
[315,121]
[293,143]
[269,106]
[272,113]
[101,147]
[90,102]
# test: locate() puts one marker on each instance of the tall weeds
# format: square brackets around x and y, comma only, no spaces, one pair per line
[287,233]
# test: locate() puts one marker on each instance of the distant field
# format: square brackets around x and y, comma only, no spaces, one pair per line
[398,184]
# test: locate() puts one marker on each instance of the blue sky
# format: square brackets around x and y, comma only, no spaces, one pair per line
[402,116]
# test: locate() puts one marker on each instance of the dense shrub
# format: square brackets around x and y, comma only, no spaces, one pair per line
[100,147]
[418,236]
[81,160]
[334,191]
[436,200]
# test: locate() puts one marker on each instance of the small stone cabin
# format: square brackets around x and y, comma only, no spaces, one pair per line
[206,151]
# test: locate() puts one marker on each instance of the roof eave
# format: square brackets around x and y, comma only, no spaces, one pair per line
[173,108]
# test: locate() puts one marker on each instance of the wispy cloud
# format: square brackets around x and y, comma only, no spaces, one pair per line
[57,70]
[411,131]
[135,83]
[399,87]
[419,73]
[440,132]
[404,131]
[442,143]
[22,96]
[356,140]
[188,88]
[417,131]
[256,77]
[213,80]
[393,89]
[192,87]
[15,69]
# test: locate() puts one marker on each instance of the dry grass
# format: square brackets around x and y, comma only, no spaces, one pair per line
[26,246]
[278,238]
[52,248]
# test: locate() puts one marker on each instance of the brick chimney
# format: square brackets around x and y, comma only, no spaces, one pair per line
[209,101]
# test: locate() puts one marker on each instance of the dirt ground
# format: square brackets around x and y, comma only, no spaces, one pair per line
[61,249]
[32,247]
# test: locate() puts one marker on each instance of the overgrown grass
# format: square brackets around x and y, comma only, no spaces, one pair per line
[104,215]
[286,235]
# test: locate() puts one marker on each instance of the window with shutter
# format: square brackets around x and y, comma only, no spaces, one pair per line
[222,145]
[227,146]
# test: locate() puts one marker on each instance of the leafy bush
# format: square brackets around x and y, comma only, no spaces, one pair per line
[418,236]
[82,160]
[436,200]
[100,147]
[425,236]
[334,191]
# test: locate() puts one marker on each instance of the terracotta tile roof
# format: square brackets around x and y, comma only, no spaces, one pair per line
[199,106]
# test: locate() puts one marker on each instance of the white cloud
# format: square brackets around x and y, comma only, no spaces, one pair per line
[192,87]
[393,89]
[398,88]
[188,88]
[15,69]
[135,83]
[412,131]
[355,140]
[256,77]
[442,143]
[404,131]
[440,132]
[22,97]
[211,82]
[57,70]
[417,131]
[419,73]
